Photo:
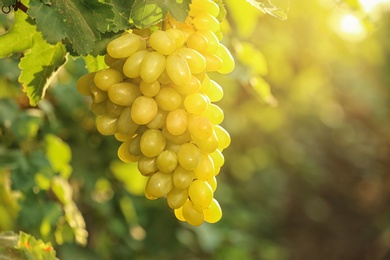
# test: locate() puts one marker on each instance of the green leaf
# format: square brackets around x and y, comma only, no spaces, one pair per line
[94,63]
[80,21]
[18,38]
[146,13]
[35,249]
[121,9]
[59,154]
[269,8]
[130,176]
[38,66]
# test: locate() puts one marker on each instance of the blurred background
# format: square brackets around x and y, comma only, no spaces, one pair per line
[307,172]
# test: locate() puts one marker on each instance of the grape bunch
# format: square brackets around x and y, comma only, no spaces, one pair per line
[157,99]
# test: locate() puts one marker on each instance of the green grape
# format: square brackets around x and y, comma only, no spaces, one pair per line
[166,161]
[213,183]
[177,197]
[182,178]
[124,155]
[149,89]
[83,84]
[158,121]
[144,109]
[205,169]
[192,214]
[123,93]
[99,109]
[124,46]
[147,165]
[162,42]
[214,92]
[178,36]
[218,158]
[195,103]
[159,184]
[214,113]
[208,145]
[177,139]
[132,66]
[118,64]
[212,41]
[200,127]
[188,156]
[223,137]
[197,42]
[108,60]
[193,86]
[206,21]
[178,70]
[228,63]
[213,62]
[168,99]
[97,94]
[105,78]
[198,7]
[195,60]
[122,137]
[125,124]
[213,213]
[107,125]
[153,64]
[179,214]
[113,109]
[171,146]
[176,121]
[200,194]
[152,142]
[134,145]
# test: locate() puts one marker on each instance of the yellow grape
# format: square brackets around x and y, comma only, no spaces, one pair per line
[97,94]
[152,66]
[200,194]
[206,21]
[197,42]
[168,99]
[228,63]
[121,137]
[179,214]
[212,40]
[147,165]
[188,156]
[213,183]
[223,137]
[107,77]
[176,121]
[214,92]
[99,109]
[124,155]
[218,158]
[158,121]
[196,103]
[166,161]
[208,145]
[177,139]
[134,145]
[205,169]
[195,60]
[132,66]
[144,109]
[193,86]
[177,35]
[198,7]
[192,214]
[152,142]
[177,197]
[162,42]
[107,125]
[113,109]
[159,184]
[213,213]
[213,62]
[164,77]
[123,93]
[178,70]
[124,46]
[182,178]
[205,84]
[214,113]
[149,89]
[84,82]
[125,124]
[200,127]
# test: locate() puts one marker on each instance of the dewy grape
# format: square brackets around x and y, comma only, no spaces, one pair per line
[158,101]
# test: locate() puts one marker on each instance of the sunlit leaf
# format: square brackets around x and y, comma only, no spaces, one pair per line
[35,249]
[59,154]
[129,174]
[268,7]
[249,55]
[263,90]
[94,63]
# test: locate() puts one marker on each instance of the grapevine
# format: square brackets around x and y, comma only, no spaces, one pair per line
[157,99]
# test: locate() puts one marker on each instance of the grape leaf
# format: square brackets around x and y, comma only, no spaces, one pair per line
[266,6]
[80,21]
[18,38]
[38,66]
[121,9]
[146,13]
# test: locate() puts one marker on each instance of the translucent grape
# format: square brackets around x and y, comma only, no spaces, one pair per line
[97,94]
[192,214]
[162,42]
[205,169]
[123,93]
[125,124]
[188,156]
[107,125]
[124,46]
[124,154]
[200,127]
[153,64]
[144,109]
[200,194]
[178,36]
[228,63]
[206,21]
[107,77]
[182,178]
[214,113]
[195,60]
[149,89]
[177,197]
[84,82]
[223,137]
[178,70]
[168,99]
[158,121]
[213,213]
[214,92]
[204,6]
[176,121]
[113,109]
[132,66]
[166,161]
[197,42]
[152,142]
[196,103]
[159,184]
[147,165]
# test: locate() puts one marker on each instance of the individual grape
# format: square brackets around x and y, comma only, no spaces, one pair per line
[213,62]
[107,125]
[159,120]
[177,197]
[147,165]
[153,64]
[205,85]
[218,158]
[113,109]
[99,109]
[124,154]
[177,139]
[122,137]
[125,124]
[195,103]
[188,156]
[200,194]
[178,36]
[223,137]
[214,113]
[191,87]
[178,70]
[182,178]
[176,121]
[149,89]
[168,99]
[195,60]
[162,42]
[212,41]
[208,145]
[213,213]
[179,214]
[132,66]
[123,93]
[197,42]
[159,184]
[192,214]
[205,169]
[105,78]
[134,145]
[214,92]
[84,82]
[108,60]
[124,46]
[97,94]
[166,161]
[200,127]
[152,142]
[228,63]
[198,7]
[206,21]
[144,109]
[213,183]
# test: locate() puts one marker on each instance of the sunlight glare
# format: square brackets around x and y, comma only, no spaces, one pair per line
[370,5]
[351,25]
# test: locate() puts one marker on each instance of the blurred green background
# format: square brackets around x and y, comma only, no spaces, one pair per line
[306,175]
